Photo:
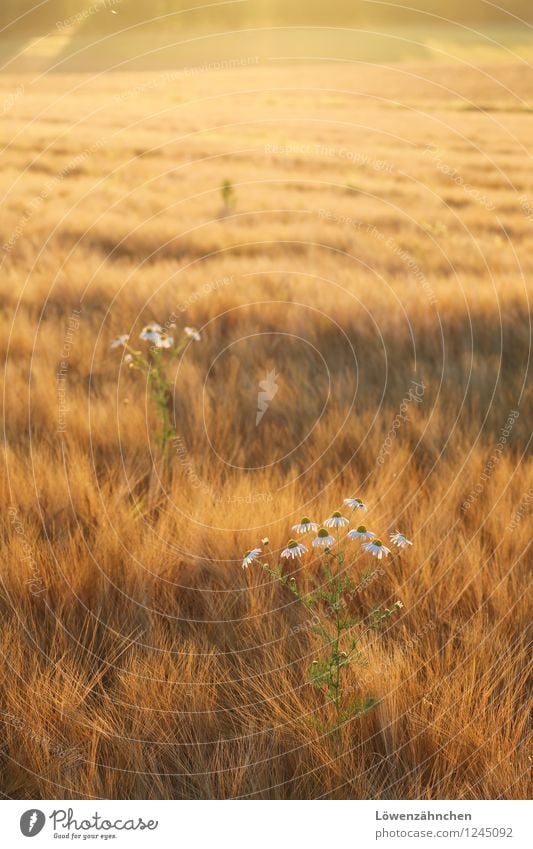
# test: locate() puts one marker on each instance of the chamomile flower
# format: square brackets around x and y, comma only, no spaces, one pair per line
[323,539]
[128,358]
[398,539]
[163,341]
[376,548]
[192,333]
[305,526]
[336,520]
[360,533]
[250,556]
[120,340]
[355,504]
[151,332]
[265,541]
[294,549]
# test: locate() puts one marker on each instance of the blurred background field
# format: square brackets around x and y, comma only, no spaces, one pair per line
[376,232]
[127,35]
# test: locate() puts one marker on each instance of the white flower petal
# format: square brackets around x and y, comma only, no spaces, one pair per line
[250,556]
[355,504]
[376,548]
[360,533]
[192,333]
[164,341]
[323,541]
[336,521]
[293,550]
[305,527]
[400,540]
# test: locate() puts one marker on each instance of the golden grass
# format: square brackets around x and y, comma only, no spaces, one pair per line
[140,660]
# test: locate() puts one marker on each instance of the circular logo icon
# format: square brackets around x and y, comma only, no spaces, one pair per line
[32,822]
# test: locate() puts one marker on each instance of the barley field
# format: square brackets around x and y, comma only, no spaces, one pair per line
[363,232]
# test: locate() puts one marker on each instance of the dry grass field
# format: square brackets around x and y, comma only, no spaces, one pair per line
[378,231]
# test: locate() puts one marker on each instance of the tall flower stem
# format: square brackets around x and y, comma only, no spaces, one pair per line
[153,366]
[330,593]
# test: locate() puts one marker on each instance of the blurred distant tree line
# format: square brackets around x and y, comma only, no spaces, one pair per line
[47,15]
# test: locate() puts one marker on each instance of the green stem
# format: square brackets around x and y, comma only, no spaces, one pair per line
[337,649]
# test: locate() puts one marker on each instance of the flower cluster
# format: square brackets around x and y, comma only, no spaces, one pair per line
[332,595]
[152,364]
[158,337]
[324,539]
